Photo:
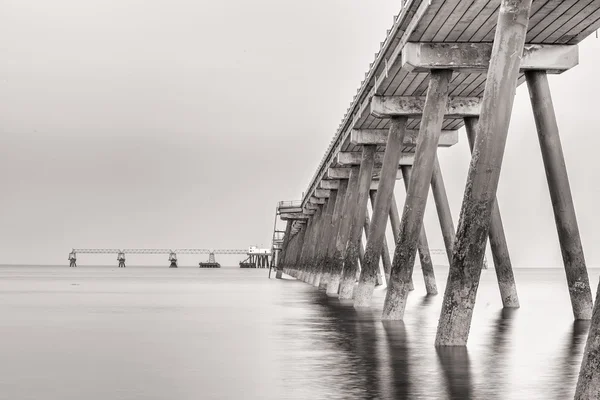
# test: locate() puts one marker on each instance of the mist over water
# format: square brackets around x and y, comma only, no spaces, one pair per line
[230,333]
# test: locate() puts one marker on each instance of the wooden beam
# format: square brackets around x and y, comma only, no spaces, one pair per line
[344,173]
[475,57]
[412,106]
[354,157]
[361,137]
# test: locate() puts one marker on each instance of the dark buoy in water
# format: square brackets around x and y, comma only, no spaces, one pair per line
[121,259]
[173,260]
[72,259]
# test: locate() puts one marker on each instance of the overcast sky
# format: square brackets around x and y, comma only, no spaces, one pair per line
[155,123]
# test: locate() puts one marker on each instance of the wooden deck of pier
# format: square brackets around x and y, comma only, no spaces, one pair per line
[448,21]
[444,64]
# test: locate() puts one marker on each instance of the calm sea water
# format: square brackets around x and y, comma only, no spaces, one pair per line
[189,333]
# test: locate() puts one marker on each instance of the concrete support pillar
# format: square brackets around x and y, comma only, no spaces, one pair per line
[422,245]
[310,256]
[286,242]
[318,245]
[305,246]
[335,227]
[484,171]
[588,384]
[416,197]
[503,266]
[443,208]
[385,191]
[324,240]
[395,223]
[357,222]
[386,260]
[295,262]
[560,193]
[337,261]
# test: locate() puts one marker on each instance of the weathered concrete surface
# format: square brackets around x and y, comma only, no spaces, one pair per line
[395,224]
[335,227]
[588,384]
[560,193]
[313,257]
[351,257]
[361,137]
[394,106]
[386,260]
[284,247]
[422,247]
[322,276]
[484,171]
[337,261]
[475,57]
[502,263]
[385,191]
[416,198]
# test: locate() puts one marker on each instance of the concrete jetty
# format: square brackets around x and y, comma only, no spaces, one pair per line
[444,65]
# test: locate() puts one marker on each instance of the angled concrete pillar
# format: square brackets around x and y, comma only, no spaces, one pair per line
[422,246]
[326,232]
[385,191]
[395,224]
[588,384]
[317,244]
[386,261]
[357,222]
[284,246]
[560,193]
[502,263]
[308,265]
[335,227]
[298,252]
[300,266]
[416,197]
[484,171]
[337,261]
[443,208]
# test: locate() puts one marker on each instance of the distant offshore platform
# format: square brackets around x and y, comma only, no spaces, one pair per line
[256,258]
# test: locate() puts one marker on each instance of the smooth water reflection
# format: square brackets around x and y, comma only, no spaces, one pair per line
[152,333]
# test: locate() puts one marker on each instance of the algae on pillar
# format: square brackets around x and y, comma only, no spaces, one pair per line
[337,260]
[422,246]
[416,197]
[335,227]
[502,263]
[357,222]
[385,191]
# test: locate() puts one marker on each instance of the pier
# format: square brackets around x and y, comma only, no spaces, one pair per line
[445,66]
[257,258]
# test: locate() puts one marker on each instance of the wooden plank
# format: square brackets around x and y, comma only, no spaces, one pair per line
[419,79]
[459,11]
[479,21]
[574,38]
[429,16]
[545,16]
[562,21]
[466,20]
[442,15]
[574,22]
